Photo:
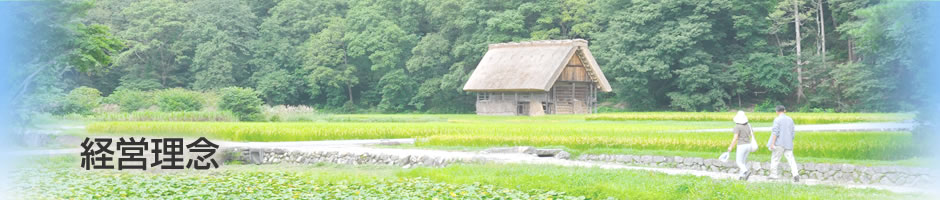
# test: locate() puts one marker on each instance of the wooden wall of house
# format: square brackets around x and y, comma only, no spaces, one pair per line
[507,103]
[488,107]
[574,71]
[573,97]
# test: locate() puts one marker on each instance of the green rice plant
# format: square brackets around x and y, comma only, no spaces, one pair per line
[799,118]
[575,136]
[835,145]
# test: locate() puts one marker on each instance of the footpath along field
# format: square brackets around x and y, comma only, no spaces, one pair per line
[641,133]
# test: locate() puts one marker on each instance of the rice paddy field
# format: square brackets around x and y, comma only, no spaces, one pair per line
[799,118]
[58,178]
[642,133]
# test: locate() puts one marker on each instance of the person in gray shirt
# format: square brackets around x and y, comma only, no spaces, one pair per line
[742,139]
[781,144]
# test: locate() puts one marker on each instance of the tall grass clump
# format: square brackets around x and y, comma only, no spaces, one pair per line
[288,113]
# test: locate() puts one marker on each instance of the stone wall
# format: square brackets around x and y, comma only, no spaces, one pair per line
[275,156]
[843,173]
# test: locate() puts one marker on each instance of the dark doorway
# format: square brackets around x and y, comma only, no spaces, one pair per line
[522,108]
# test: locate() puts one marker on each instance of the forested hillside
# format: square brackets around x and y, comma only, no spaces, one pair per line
[415,55]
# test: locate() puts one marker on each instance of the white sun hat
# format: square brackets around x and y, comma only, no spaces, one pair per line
[740,118]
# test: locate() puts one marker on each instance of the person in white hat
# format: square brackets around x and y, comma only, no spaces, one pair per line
[744,139]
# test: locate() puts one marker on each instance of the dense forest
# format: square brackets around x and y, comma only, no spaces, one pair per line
[415,55]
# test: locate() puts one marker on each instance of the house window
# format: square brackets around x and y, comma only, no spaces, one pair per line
[483,96]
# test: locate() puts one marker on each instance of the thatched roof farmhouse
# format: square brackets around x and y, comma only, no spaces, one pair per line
[537,77]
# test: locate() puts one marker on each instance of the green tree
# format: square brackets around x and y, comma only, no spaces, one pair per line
[430,61]
[415,55]
[377,43]
[565,20]
[221,34]
[666,53]
[154,43]
[279,52]
[55,43]
[884,77]
[327,61]
[759,68]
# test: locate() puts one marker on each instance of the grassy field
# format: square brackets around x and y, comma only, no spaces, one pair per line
[60,178]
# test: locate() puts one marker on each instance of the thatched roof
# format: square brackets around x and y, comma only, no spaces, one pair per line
[530,66]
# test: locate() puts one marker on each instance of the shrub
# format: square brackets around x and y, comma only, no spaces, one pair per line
[274,118]
[81,100]
[243,102]
[178,99]
[131,100]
